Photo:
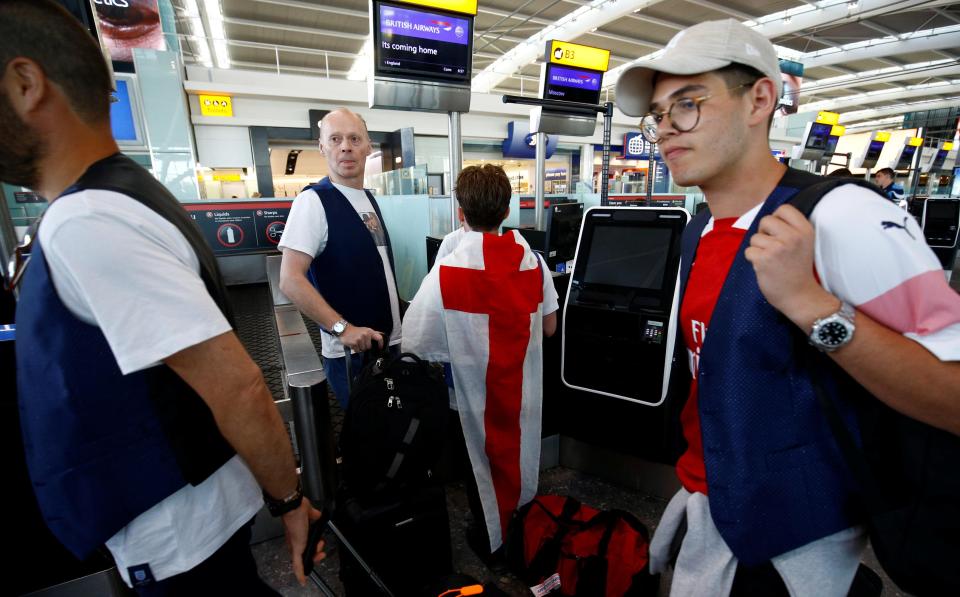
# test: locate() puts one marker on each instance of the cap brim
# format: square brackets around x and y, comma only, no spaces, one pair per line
[635,86]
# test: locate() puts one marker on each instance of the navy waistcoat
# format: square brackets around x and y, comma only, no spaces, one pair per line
[348,273]
[103,447]
[775,477]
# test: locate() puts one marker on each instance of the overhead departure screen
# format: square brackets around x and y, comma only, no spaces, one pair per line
[628,257]
[417,44]
[572,84]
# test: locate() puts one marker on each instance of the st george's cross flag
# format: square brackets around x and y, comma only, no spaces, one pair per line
[481,310]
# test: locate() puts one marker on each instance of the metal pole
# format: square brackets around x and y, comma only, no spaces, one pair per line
[276,52]
[456,164]
[605,165]
[311,417]
[541,170]
[651,170]
[915,170]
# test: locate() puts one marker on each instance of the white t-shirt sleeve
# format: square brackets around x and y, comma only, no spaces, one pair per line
[872,254]
[424,332]
[551,300]
[306,227]
[118,265]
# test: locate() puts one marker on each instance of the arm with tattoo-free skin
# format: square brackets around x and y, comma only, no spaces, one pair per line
[231,384]
[895,369]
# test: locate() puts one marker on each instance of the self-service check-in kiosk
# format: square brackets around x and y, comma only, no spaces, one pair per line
[940,220]
[871,152]
[907,153]
[619,323]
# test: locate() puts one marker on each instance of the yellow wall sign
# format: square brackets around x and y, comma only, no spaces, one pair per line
[915,141]
[948,145]
[216,105]
[838,130]
[467,7]
[568,54]
[828,117]
[882,136]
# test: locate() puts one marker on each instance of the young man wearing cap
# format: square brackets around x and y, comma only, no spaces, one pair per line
[768,504]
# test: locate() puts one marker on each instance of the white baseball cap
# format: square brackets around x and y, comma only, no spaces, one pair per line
[705,47]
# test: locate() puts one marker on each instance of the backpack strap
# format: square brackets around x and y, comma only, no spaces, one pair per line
[808,197]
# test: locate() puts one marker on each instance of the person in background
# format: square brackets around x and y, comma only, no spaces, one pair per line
[767,503]
[886,180]
[337,262]
[147,427]
[484,308]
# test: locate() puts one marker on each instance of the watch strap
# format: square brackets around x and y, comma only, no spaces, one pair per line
[279,507]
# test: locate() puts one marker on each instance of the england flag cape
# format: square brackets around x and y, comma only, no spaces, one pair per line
[481,309]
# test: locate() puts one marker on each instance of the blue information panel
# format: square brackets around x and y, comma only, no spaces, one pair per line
[121,115]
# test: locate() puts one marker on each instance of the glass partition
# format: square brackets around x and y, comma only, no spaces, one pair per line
[403,181]
[408,220]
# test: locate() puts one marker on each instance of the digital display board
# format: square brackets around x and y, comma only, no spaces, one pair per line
[819,134]
[121,114]
[240,227]
[572,84]
[906,157]
[418,44]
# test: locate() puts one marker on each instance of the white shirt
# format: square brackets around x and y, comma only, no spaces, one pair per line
[119,266]
[307,231]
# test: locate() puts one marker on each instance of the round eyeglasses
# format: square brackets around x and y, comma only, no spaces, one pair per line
[684,114]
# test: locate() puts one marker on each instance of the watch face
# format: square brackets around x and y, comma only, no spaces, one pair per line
[832,333]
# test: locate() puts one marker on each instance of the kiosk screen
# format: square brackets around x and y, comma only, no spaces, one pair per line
[939,160]
[415,44]
[628,257]
[906,157]
[873,151]
[572,84]
[943,212]
[819,134]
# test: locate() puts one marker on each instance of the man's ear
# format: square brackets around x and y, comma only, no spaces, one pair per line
[764,100]
[26,86]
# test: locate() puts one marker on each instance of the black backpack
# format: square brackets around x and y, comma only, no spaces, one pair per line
[395,425]
[908,471]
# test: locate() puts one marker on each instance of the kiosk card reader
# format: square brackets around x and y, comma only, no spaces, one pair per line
[941,228]
[621,309]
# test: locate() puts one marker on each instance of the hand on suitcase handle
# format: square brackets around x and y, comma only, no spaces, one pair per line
[360,339]
[296,526]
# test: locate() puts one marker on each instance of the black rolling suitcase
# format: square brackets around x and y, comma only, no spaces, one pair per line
[390,508]
[405,538]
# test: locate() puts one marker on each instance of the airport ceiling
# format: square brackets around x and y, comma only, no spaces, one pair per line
[872,60]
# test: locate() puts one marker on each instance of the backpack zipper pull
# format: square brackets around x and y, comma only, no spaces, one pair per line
[399,405]
[390,402]
[389,383]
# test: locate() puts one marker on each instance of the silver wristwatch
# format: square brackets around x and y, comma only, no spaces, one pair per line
[339,328]
[834,331]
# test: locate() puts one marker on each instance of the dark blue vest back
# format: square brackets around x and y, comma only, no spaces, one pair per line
[103,447]
[775,477]
[348,273]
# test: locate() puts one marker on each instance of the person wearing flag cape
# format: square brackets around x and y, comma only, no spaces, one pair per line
[485,308]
